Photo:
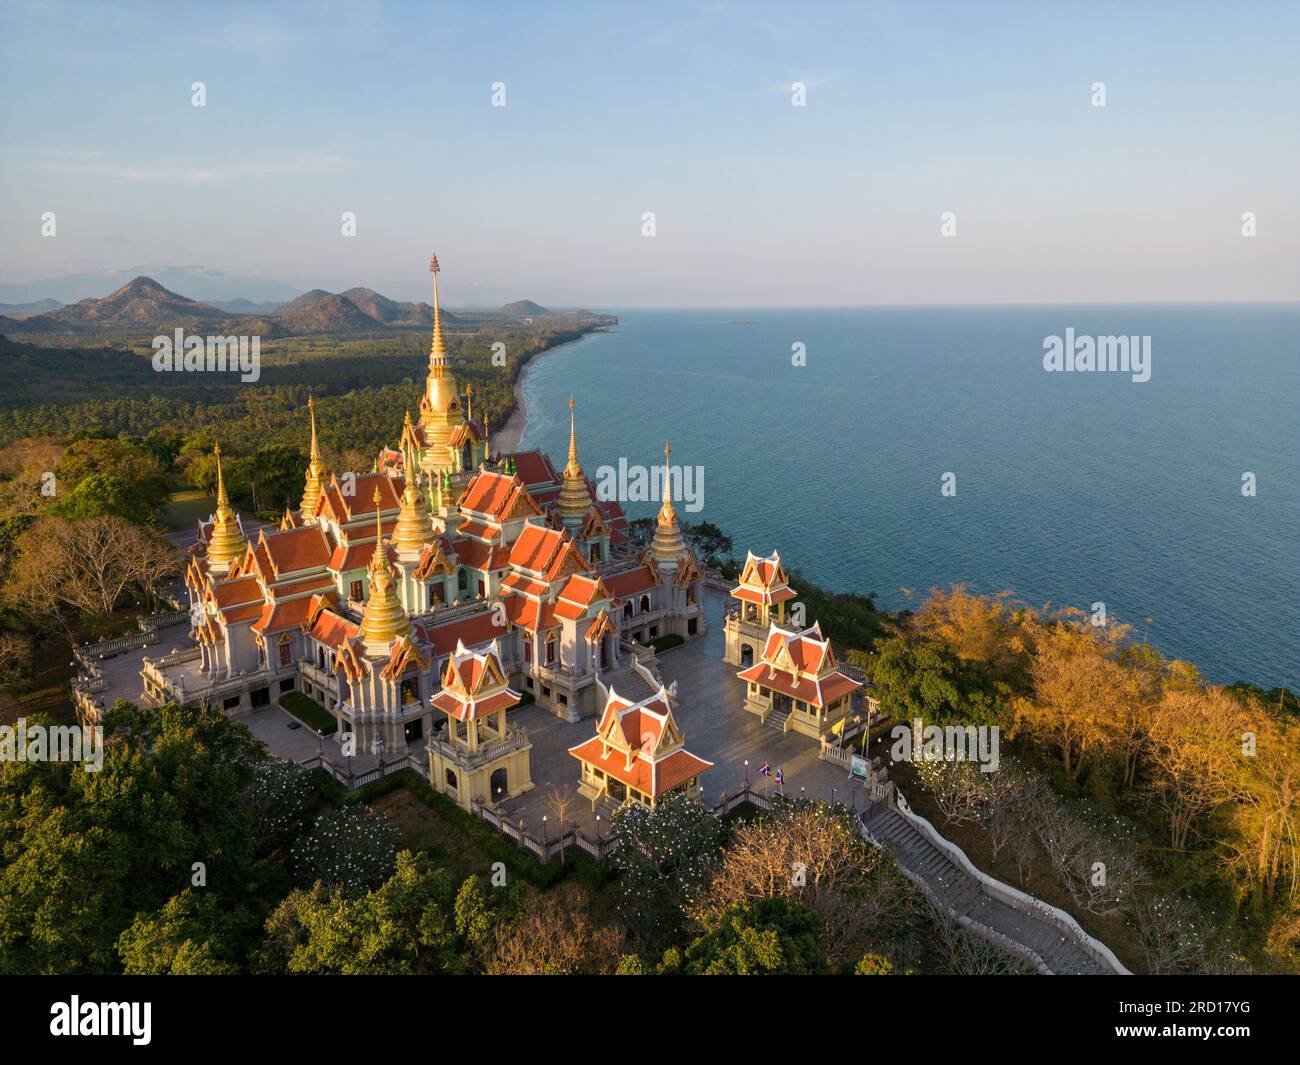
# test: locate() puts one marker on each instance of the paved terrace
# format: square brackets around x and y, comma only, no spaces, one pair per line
[710,711]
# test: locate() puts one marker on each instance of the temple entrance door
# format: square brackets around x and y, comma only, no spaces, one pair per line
[616,789]
[746,656]
[499,785]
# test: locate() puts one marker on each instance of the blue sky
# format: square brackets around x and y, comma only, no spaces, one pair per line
[681,109]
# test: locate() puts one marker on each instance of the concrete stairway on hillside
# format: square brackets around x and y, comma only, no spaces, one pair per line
[964,896]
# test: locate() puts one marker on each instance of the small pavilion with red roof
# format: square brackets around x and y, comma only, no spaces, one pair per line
[637,754]
[760,596]
[479,756]
[798,684]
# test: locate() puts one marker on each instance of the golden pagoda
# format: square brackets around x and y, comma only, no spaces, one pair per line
[414,529]
[574,500]
[226,544]
[316,472]
[440,407]
[668,546]
[382,618]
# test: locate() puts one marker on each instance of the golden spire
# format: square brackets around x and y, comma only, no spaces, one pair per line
[414,529]
[574,501]
[573,466]
[668,545]
[315,485]
[437,350]
[226,543]
[440,408]
[382,618]
[469,401]
[487,439]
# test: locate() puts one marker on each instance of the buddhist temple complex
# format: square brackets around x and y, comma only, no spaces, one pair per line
[420,603]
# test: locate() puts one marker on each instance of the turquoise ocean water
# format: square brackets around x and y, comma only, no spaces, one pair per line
[1071,488]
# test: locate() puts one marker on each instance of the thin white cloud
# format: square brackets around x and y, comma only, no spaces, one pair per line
[300,164]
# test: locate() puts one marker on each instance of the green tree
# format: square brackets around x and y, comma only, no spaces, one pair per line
[771,937]
[189,935]
[664,857]
[403,926]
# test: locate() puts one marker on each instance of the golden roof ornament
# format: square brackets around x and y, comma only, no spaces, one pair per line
[413,529]
[226,543]
[440,408]
[574,500]
[314,487]
[668,545]
[382,618]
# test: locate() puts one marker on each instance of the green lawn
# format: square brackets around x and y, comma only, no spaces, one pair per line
[186,507]
[310,713]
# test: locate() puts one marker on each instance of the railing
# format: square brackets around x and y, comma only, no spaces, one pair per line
[162,620]
[109,648]
[1014,898]
[356,780]
[516,740]
[745,625]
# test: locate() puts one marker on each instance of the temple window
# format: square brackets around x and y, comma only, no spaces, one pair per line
[627,609]
[356,592]
[550,650]
[645,604]
[462,579]
[450,778]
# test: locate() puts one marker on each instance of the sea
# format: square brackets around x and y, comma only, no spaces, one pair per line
[890,450]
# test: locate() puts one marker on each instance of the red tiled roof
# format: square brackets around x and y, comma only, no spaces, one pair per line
[449,703]
[296,549]
[818,693]
[233,593]
[549,552]
[529,613]
[498,496]
[472,630]
[649,778]
[534,467]
[633,582]
[279,616]
[332,630]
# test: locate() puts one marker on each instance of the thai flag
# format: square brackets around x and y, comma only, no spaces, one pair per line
[780,778]
[765,769]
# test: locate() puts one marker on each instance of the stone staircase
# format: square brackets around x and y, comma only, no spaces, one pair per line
[776,719]
[965,897]
[629,684]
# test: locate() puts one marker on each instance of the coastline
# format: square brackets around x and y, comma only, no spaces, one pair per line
[507,438]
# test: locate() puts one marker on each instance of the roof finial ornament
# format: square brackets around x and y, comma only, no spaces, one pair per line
[438,350]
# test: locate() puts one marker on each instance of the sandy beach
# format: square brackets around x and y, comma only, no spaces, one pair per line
[506,439]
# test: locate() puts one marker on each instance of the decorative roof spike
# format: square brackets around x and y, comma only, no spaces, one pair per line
[315,483]
[413,528]
[437,350]
[226,543]
[574,500]
[668,545]
[382,618]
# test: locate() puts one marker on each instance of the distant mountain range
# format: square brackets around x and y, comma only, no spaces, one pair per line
[26,310]
[142,304]
[524,309]
[197,282]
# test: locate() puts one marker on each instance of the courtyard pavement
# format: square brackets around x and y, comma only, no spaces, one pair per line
[123,671]
[710,711]
[715,726]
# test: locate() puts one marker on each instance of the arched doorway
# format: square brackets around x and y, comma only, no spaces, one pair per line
[499,786]
[746,656]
